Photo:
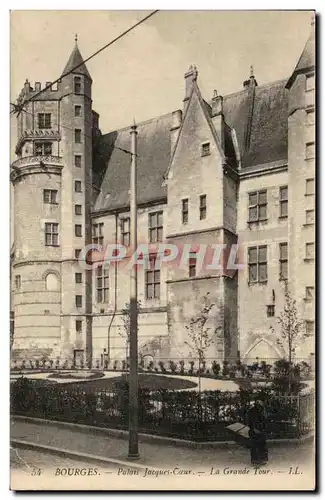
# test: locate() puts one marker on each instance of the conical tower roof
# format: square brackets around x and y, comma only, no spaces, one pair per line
[306,61]
[76,61]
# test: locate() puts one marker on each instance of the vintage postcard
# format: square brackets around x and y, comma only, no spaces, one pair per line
[162,259]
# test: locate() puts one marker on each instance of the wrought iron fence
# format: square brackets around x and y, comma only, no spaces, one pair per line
[185,414]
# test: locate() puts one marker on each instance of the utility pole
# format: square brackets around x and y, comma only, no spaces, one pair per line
[133,375]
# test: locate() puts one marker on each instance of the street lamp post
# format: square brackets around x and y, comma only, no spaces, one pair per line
[133,375]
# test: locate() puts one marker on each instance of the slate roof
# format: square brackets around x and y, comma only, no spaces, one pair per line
[113,165]
[269,126]
[268,143]
[307,58]
[74,60]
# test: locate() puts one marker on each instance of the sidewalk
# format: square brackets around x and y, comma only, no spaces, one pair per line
[72,441]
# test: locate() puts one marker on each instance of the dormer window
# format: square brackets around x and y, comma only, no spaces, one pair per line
[205,149]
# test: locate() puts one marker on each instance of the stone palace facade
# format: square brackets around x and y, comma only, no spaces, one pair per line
[235,169]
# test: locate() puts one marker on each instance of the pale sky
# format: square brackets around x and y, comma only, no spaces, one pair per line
[142,75]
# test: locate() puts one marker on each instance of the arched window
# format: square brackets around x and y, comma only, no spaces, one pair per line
[51,282]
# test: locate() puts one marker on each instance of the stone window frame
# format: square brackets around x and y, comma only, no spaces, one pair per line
[97,233]
[192,261]
[185,210]
[44,121]
[309,180]
[77,159]
[18,282]
[283,260]
[78,278]
[77,325]
[309,244]
[309,323]
[77,83]
[258,263]
[283,202]
[77,136]
[50,196]
[42,148]
[152,278]
[78,209]
[155,226]
[78,230]
[258,205]
[310,77]
[102,284]
[78,301]
[52,230]
[77,186]
[77,110]
[309,211]
[125,225]
[203,206]
[310,155]
[309,293]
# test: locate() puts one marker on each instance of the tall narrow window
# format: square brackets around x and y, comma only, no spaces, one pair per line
[283,261]
[310,186]
[17,281]
[44,120]
[78,300]
[310,327]
[152,280]
[310,251]
[102,284]
[203,206]
[257,264]
[77,253]
[77,135]
[310,217]
[185,211]
[78,209]
[98,237]
[78,230]
[155,227]
[78,277]
[192,265]
[125,231]
[77,161]
[77,186]
[77,110]
[257,206]
[51,234]
[310,150]
[78,326]
[310,117]
[77,84]
[309,293]
[284,201]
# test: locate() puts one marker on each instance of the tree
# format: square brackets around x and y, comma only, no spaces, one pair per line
[199,334]
[125,333]
[291,326]
[291,334]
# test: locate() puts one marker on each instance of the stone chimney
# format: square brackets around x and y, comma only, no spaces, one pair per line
[217,104]
[217,116]
[38,86]
[175,128]
[190,78]
[27,87]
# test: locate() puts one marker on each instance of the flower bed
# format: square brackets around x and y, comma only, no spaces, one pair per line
[76,375]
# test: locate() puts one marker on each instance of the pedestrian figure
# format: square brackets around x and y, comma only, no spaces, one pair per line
[256,422]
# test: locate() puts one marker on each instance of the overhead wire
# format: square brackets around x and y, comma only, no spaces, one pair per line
[20,107]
